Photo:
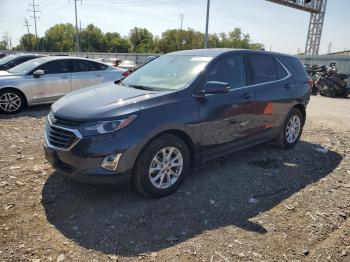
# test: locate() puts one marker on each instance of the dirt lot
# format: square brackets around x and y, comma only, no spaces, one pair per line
[261,204]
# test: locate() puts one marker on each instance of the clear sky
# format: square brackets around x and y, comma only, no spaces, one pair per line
[281,28]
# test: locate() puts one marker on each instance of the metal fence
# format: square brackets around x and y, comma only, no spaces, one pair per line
[343,61]
[137,58]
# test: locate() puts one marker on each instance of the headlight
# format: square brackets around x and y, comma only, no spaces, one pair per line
[104,127]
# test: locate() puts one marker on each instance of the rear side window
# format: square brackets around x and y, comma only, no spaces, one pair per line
[263,68]
[230,69]
[85,66]
[281,72]
[295,65]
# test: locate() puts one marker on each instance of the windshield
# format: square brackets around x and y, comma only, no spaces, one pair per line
[168,72]
[6,59]
[26,67]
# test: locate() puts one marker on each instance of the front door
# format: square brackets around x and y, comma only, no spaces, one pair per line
[55,83]
[226,117]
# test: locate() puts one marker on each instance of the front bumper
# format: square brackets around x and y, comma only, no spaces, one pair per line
[82,162]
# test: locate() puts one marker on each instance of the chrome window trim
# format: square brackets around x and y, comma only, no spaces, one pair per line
[74,131]
[270,82]
[260,84]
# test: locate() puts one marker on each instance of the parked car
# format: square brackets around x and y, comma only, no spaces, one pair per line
[178,111]
[11,61]
[2,55]
[44,80]
[129,65]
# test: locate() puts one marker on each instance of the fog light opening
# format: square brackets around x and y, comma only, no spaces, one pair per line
[111,162]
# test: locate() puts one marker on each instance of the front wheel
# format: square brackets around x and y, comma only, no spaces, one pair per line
[162,166]
[291,130]
[11,101]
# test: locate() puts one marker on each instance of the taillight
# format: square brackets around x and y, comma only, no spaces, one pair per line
[126,73]
[311,83]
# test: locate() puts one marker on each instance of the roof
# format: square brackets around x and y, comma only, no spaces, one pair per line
[214,52]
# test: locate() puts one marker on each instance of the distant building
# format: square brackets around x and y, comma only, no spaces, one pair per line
[345,52]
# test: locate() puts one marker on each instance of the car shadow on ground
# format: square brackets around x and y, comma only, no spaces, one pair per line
[35,112]
[225,192]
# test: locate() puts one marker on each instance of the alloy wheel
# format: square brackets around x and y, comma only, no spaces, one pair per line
[10,102]
[166,167]
[293,129]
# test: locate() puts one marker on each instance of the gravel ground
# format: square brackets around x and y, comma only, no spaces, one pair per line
[261,204]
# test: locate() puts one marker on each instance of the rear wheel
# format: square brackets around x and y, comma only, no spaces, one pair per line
[162,166]
[291,130]
[11,101]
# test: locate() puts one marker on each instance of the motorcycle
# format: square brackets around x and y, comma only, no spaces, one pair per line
[328,82]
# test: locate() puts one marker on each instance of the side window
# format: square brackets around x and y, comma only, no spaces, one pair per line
[263,68]
[56,67]
[230,69]
[85,66]
[281,72]
[21,60]
[100,66]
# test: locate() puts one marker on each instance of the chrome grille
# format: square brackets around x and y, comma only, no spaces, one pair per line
[61,137]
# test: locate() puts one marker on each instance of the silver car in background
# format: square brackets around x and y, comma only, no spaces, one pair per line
[45,80]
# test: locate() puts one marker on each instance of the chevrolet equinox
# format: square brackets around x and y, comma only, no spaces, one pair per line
[175,112]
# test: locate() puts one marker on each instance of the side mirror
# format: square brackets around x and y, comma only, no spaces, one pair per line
[215,87]
[38,73]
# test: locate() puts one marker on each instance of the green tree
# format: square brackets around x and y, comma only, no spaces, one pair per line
[114,43]
[141,40]
[3,45]
[27,43]
[175,39]
[59,38]
[92,39]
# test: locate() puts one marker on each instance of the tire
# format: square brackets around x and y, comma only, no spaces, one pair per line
[346,95]
[146,160]
[284,141]
[11,101]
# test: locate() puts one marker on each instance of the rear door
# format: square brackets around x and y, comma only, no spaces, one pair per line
[275,90]
[226,117]
[87,73]
[55,83]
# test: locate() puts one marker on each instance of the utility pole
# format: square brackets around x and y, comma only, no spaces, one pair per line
[26,24]
[6,38]
[181,15]
[207,25]
[34,16]
[76,26]
[329,48]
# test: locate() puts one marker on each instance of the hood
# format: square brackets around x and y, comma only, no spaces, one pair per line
[101,102]
[4,75]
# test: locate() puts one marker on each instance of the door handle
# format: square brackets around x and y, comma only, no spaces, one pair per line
[98,75]
[64,77]
[247,95]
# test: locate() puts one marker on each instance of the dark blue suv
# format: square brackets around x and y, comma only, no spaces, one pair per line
[177,111]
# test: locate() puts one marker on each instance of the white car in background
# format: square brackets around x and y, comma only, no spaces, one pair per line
[45,80]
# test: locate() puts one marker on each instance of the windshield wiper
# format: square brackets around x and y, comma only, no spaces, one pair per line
[141,87]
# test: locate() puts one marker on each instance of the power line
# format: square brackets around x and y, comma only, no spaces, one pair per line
[26,24]
[34,9]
